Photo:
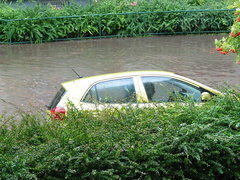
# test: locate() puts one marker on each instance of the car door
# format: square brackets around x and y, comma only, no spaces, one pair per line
[167,89]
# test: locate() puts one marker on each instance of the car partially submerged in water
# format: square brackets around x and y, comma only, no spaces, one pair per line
[141,88]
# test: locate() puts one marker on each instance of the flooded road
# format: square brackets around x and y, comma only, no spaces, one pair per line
[30,73]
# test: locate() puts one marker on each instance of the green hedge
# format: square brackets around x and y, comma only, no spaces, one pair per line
[180,142]
[110,18]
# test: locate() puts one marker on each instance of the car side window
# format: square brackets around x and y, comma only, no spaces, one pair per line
[168,89]
[112,91]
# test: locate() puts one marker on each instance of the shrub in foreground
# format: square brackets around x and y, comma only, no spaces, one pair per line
[180,142]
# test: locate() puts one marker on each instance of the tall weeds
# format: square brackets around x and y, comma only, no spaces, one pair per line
[109,18]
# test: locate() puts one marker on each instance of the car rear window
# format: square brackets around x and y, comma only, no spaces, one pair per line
[57,98]
[112,91]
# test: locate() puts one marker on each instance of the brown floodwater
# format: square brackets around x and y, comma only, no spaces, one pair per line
[30,73]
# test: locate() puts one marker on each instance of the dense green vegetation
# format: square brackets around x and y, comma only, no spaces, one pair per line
[180,142]
[41,23]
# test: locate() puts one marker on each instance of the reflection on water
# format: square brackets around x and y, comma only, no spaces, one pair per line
[30,73]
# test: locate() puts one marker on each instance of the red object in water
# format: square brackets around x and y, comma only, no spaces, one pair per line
[58,113]
[223,52]
[218,49]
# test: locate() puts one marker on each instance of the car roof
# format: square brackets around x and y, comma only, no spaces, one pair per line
[129,74]
[118,75]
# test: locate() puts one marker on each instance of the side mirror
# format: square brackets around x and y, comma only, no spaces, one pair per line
[206,96]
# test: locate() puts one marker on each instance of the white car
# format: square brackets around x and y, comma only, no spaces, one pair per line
[118,89]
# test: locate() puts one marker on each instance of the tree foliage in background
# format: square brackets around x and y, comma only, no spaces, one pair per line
[232,42]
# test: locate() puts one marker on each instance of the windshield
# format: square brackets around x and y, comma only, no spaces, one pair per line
[56,99]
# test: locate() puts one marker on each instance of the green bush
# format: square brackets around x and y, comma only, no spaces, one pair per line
[110,18]
[173,142]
